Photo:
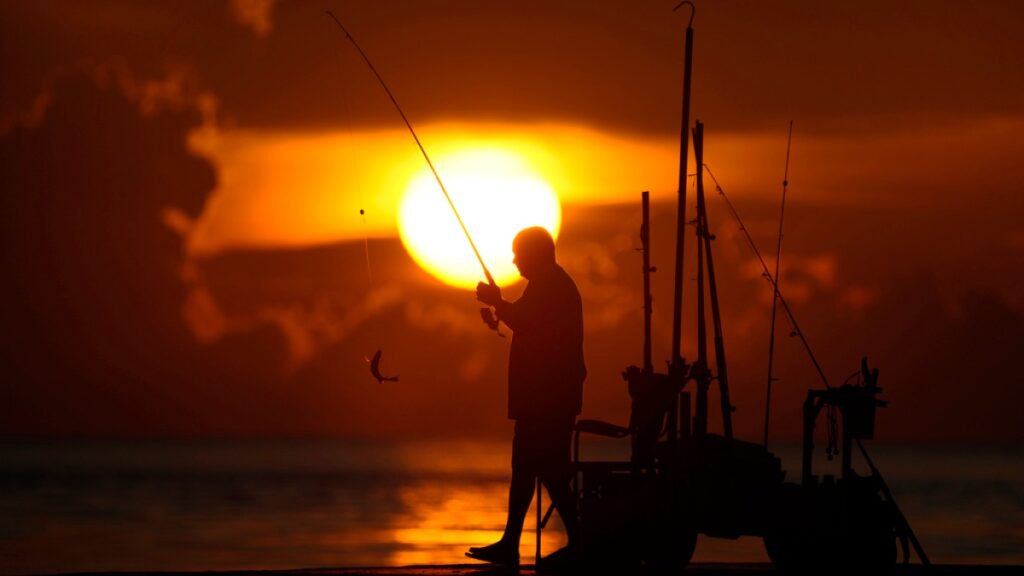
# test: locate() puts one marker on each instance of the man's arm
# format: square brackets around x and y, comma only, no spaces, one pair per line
[490,294]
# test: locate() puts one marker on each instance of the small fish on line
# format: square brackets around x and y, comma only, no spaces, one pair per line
[375,369]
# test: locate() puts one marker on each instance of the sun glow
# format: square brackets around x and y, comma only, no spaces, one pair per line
[496,192]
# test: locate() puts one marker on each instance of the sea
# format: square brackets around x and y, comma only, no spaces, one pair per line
[240,505]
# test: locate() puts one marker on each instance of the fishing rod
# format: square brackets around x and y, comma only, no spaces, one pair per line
[875,472]
[462,224]
[771,279]
[775,288]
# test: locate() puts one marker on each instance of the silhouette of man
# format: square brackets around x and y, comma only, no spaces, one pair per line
[545,387]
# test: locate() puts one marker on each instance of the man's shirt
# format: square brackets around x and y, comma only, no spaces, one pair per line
[546,368]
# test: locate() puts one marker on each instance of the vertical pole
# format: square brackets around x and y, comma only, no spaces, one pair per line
[684,132]
[703,374]
[677,367]
[685,413]
[810,414]
[716,315]
[540,528]
[847,446]
[645,242]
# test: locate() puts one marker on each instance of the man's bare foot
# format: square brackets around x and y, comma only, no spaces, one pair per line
[497,553]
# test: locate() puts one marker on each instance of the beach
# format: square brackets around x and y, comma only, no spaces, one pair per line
[713,568]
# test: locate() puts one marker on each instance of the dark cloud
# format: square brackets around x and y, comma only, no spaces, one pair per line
[93,300]
[94,341]
[111,330]
[855,67]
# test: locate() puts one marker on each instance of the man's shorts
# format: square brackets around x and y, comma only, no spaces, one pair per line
[542,446]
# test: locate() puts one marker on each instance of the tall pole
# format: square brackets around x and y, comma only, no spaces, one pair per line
[645,242]
[704,239]
[684,134]
[701,371]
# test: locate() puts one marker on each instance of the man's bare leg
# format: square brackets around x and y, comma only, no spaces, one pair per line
[506,550]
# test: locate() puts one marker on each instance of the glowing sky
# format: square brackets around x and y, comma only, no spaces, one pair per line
[182,186]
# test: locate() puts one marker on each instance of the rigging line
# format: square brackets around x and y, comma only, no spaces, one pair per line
[487,273]
[771,279]
[775,289]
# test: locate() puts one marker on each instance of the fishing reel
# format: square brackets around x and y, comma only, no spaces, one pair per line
[487,315]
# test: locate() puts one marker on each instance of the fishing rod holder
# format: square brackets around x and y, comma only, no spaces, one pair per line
[857,406]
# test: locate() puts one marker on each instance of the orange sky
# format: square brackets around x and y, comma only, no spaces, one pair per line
[182,184]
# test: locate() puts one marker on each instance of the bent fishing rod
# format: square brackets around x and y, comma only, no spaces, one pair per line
[487,273]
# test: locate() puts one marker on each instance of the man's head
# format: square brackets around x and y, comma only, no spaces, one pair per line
[534,250]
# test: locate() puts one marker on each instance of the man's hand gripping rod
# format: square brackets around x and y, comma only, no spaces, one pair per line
[485,313]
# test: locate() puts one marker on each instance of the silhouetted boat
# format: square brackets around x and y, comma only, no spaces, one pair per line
[682,480]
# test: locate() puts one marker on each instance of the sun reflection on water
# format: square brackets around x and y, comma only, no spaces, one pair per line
[443,520]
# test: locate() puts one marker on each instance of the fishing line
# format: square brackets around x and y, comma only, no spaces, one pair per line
[775,294]
[832,431]
[487,273]
[366,249]
[375,360]
[346,114]
[771,279]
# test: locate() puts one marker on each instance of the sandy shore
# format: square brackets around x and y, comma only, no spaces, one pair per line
[717,569]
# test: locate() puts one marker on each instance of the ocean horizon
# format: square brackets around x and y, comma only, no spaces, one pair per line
[78,506]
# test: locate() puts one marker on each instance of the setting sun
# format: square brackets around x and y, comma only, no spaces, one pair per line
[497,194]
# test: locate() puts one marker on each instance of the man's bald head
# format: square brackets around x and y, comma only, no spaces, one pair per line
[534,250]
